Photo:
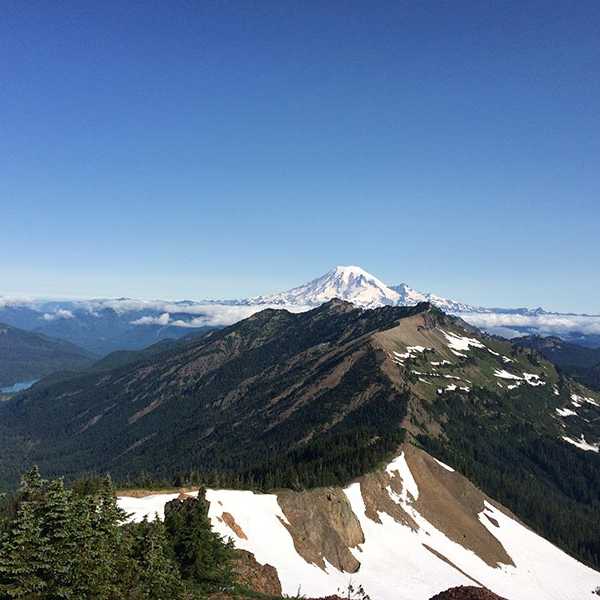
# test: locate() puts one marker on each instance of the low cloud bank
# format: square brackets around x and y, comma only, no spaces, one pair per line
[15,301]
[216,315]
[60,313]
[191,314]
[153,320]
[509,325]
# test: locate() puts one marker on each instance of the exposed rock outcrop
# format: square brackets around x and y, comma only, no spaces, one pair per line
[467,592]
[323,527]
[251,574]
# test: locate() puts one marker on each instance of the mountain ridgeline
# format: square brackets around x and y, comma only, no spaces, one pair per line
[321,397]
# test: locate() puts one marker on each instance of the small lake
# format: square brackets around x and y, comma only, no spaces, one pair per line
[18,387]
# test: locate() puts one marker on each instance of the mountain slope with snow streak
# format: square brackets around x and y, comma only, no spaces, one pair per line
[422,529]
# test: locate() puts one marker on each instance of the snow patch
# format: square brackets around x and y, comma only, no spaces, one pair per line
[394,562]
[399,465]
[582,444]
[506,375]
[533,379]
[411,351]
[459,343]
[579,400]
[565,412]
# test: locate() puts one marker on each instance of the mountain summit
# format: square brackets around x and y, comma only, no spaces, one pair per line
[350,283]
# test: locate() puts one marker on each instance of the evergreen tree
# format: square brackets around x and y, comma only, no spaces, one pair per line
[110,546]
[23,559]
[158,574]
[58,531]
[201,553]
[61,545]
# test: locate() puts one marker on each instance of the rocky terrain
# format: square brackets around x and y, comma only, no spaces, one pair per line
[467,592]
[404,532]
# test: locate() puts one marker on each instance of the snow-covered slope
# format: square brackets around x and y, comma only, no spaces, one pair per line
[351,283]
[405,533]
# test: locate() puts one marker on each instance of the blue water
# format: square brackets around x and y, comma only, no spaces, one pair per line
[17,387]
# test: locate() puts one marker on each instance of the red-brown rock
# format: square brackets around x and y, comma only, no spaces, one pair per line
[467,592]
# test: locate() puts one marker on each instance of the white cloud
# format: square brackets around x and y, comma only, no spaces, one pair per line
[203,313]
[215,315]
[7,301]
[224,314]
[544,324]
[153,320]
[505,332]
[60,313]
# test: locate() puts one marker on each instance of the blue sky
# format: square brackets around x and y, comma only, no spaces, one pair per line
[219,149]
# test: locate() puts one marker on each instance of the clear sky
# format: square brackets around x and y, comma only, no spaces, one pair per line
[220,149]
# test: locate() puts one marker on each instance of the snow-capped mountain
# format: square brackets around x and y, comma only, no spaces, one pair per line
[350,283]
[354,284]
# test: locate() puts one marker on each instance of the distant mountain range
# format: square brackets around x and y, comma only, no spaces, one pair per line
[104,325]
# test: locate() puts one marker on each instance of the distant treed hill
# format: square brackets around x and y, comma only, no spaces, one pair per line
[25,356]
[121,358]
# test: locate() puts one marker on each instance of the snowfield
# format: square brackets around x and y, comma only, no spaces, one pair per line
[396,562]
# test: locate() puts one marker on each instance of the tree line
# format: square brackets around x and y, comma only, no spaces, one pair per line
[59,543]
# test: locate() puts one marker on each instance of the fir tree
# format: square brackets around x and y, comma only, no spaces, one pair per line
[158,574]
[112,566]
[201,553]
[23,559]
[58,530]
